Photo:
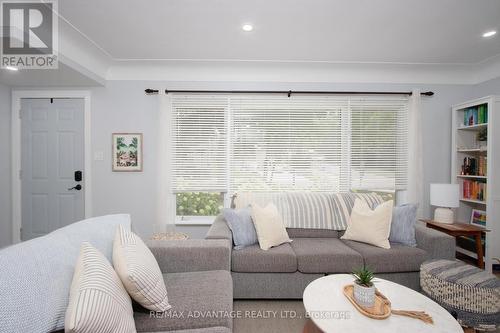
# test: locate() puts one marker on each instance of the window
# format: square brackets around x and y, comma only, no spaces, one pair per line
[190,204]
[223,144]
[199,143]
[280,143]
[379,140]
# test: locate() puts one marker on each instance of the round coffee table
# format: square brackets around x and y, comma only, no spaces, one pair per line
[331,311]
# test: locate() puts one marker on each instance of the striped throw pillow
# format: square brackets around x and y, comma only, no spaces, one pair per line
[139,271]
[98,302]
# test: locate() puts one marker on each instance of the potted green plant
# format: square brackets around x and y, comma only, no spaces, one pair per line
[364,289]
[482,138]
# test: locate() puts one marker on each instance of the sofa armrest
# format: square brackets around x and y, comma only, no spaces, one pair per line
[219,230]
[191,255]
[437,244]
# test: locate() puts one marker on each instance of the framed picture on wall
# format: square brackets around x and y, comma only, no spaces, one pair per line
[127,152]
[478,217]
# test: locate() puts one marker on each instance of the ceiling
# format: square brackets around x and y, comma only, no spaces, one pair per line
[388,31]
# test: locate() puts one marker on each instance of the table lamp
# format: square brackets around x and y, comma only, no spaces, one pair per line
[444,197]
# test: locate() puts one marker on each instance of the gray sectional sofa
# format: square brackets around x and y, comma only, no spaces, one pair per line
[284,271]
[202,276]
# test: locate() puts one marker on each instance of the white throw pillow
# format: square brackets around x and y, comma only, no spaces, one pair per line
[370,226]
[139,271]
[269,226]
[98,302]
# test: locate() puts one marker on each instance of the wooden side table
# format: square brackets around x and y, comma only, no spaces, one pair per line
[462,229]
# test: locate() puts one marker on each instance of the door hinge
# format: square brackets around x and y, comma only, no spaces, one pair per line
[20,174]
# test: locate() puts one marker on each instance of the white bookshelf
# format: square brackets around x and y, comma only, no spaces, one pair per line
[465,144]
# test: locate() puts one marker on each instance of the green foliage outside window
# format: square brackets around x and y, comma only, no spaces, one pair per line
[199,204]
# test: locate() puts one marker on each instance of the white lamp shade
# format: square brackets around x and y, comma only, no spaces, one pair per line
[445,195]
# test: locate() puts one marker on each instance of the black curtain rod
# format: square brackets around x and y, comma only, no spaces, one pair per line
[289,92]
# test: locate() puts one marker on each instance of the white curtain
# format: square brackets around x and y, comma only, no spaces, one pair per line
[415,189]
[165,217]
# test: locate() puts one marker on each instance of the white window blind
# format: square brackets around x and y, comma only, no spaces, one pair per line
[276,143]
[199,160]
[280,143]
[379,140]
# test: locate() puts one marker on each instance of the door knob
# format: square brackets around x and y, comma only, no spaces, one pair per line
[77,187]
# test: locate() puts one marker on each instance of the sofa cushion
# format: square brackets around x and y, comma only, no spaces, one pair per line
[325,255]
[138,270]
[269,225]
[368,225]
[312,233]
[198,299]
[241,225]
[404,218]
[399,258]
[97,300]
[43,280]
[279,259]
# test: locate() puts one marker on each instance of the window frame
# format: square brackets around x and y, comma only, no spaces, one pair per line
[194,220]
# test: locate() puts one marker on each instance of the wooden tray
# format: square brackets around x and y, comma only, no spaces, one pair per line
[381,309]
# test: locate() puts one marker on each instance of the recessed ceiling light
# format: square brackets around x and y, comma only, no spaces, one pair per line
[11,68]
[247,27]
[489,33]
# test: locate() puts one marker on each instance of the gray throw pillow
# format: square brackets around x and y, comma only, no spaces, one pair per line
[241,225]
[404,218]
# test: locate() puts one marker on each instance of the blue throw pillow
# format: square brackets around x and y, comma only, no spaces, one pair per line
[404,218]
[241,225]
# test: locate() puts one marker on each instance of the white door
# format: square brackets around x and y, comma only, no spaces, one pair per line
[52,164]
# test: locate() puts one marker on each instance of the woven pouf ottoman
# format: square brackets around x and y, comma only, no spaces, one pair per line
[467,292]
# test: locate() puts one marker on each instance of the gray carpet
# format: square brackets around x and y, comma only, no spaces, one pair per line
[269,316]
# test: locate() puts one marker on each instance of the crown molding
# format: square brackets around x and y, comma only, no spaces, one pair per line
[487,70]
[81,54]
[296,72]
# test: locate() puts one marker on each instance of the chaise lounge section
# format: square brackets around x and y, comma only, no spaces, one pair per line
[196,273]
[199,285]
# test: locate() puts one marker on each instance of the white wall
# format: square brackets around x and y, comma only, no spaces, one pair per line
[5,202]
[491,87]
[122,106]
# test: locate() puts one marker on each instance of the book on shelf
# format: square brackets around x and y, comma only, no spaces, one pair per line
[476,115]
[474,190]
[482,166]
[475,166]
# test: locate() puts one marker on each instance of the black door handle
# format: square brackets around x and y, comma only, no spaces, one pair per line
[77,187]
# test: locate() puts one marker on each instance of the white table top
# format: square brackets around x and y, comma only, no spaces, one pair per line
[331,311]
